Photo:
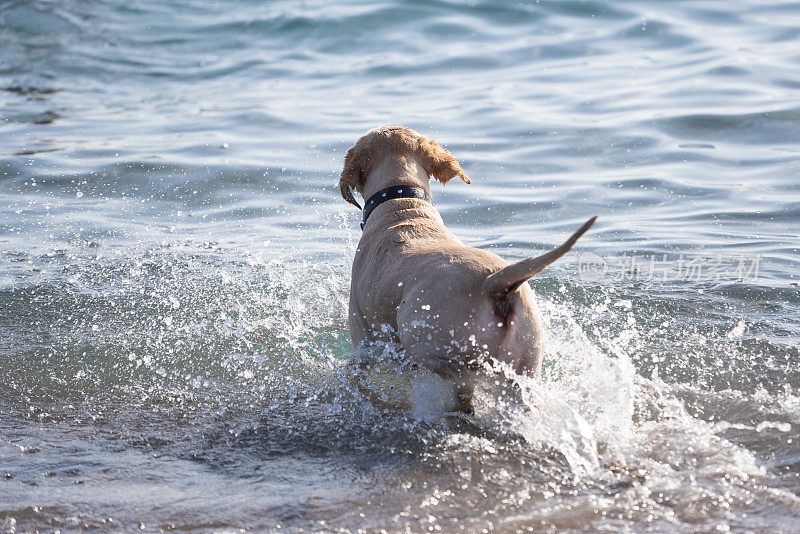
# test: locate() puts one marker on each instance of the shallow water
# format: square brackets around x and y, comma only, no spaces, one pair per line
[174,263]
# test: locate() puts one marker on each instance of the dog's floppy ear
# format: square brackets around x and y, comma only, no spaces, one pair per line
[438,162]
[352,176]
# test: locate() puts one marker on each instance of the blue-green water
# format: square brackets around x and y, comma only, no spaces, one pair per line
[175,262]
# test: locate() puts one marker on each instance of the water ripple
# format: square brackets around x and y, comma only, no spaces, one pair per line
[175,255]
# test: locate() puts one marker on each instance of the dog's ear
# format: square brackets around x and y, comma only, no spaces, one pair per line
[438,162]
[352,176]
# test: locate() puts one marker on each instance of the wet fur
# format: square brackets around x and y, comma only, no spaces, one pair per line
[360,159]
[414,283]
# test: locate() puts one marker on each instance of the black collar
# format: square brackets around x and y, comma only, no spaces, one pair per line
[391,193]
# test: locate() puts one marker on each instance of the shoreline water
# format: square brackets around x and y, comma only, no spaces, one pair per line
[175,262]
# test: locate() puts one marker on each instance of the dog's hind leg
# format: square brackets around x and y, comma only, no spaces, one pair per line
[455,373]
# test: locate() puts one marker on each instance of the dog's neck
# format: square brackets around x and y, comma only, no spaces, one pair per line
[396,170]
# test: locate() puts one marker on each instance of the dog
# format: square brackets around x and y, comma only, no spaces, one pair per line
[451,307]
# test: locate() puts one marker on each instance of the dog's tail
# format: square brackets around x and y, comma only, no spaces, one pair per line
[507,280]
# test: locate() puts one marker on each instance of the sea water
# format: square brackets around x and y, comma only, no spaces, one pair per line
[175,262]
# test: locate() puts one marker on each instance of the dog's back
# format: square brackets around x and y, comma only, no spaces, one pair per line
[451,307]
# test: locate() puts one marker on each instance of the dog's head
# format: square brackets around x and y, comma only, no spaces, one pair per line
[387,140]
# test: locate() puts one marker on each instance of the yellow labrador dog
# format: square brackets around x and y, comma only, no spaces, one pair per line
[450,306]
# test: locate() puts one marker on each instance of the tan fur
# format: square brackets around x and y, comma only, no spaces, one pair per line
[414,283]
[400,141]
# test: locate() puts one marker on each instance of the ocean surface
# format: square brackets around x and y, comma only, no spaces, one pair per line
[175,263]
